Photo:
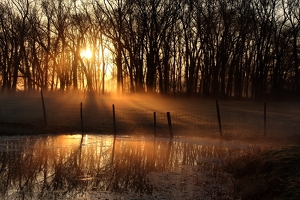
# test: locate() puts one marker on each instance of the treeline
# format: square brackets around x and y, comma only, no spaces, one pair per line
[220,48]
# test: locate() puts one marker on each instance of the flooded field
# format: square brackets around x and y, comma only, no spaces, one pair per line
[37,162]
[122,167]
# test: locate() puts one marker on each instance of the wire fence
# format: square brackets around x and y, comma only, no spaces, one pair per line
[198,118]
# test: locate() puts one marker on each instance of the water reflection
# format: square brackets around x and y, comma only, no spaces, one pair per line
[65,166]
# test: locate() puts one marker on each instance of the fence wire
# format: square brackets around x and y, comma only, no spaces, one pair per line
[238,118]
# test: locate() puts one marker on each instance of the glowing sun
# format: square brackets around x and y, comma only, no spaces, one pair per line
[86,53]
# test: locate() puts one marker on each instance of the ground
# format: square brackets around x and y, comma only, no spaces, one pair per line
[271,174]
[260,174]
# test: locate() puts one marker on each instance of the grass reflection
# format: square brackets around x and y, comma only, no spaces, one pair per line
[68,165]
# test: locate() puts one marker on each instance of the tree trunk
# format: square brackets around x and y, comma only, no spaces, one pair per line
[119,68]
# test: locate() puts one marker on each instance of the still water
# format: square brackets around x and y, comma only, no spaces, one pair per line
[107,167]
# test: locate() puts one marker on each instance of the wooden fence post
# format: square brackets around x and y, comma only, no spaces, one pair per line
[81,118]
[265,119]
[219,118]
[170,124]
[114,120]
[154,118]
[44,109]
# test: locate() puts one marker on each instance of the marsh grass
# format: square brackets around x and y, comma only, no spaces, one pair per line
[267,174]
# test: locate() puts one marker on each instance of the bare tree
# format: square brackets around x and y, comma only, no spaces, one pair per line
[114,16]
[292,13]
[6,47]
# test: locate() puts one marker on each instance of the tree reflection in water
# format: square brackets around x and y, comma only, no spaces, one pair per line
[66,166]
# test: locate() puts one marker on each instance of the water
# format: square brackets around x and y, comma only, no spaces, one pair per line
[122,167]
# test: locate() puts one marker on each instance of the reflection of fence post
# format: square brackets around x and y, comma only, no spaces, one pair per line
[265,119]
[219,118]
[113,150]
[170,124]
[154,116]
[44,109]
[114,119]
[81,117]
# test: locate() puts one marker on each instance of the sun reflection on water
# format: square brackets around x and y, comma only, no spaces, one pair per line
[77,163]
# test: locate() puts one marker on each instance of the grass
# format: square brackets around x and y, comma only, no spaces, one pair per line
[269,174]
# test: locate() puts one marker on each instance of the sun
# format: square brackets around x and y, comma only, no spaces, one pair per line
[86,53]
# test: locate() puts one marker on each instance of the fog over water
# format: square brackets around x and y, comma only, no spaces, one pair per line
[134,164]
[69,166]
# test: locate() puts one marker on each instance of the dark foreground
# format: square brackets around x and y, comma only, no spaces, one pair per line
[271,174]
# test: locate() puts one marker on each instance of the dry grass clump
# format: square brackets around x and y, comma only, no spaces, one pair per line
[269,174]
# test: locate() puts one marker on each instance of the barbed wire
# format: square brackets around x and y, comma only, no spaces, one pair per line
[238,118]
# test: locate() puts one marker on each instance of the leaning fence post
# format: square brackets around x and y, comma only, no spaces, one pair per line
[219,118]
[170,124]
[114,119]
[154,118]
[44,109]
[81,118]
[265,119]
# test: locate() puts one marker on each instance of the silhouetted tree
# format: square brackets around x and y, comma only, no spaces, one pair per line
[292,13]
[208,48]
